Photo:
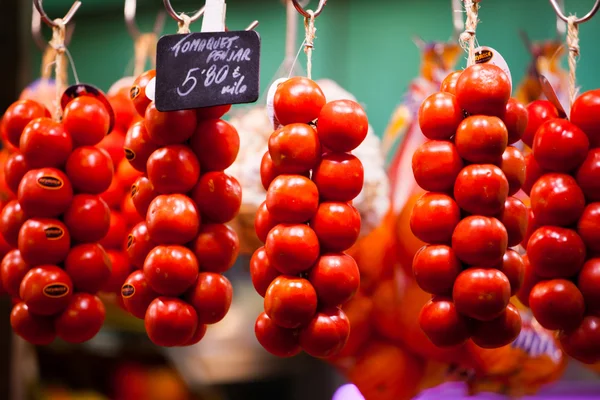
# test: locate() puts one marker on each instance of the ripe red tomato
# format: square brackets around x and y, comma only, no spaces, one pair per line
[45,192]
[481,189]
[556,252]
[12,272]
[170,322]
[142,194]
[560,146]
[339,177]
[44,241]
[449,83]
[12,218]
[557,304]
[326,334]
[442,323]
[15,168]
[126,174]
[498,332]
[171,127]
[514,268]
[342,125]
[278,341]
[211,297]
[198,335]
[46,290]
[18,115]
[515,118]
[122,107]
[584,114]
[480,241]
[218,196]
[587,282]
[263,222]
[88,218]
[515,218]
[45,143]
[298,100]
[337,226]
[295,148]
[268,171]
[120,270]
[114,195]
[533,172]
[81,320]
[587,175]
[35,329]
[440,116]
[481,139]
[482,294]
[117,232]
[290,302]
[588,227]
[292,198]
[89,267]
[137,294]
[538,112]
[532,226]
[87,120]
[262,272]
[530,279]
[583,343]
[435,165]
[216,143]
[216,248]
[172,219]
[138,146]
[137,93]
[513,166]
[358,310]
[336,279]
[113,145]
[129,212]
[483,89]
[292,248]
[173,169]
[214,112]
[139,244]
[171,270]
[434,217]
[435,268]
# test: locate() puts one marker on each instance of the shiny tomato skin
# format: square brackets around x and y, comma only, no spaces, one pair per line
[142,194]
[339,177]
[173,169]
[434,217]
[216,248]
[216,143]
[18,115]
[513,166]
[46,290]
[137,93]
[170,322]
[588,227]
[213,112]
[442,323]
[587,282]
[81,320]
[45,144]
[440,116]
[532,226]
[171,270]
[337,226]
[588,175]
[435,268]
[557,304]
[326,334]
[263,222]
[117,231]
[584,114]
[278,341]
[560,146]
[336,278]
[498,332]
[483,89]
[513,268]
[480,241]
[35,329]
[435,165]
[481,189]
[87,218]
[533,172]
[14,169]
[583,343]
[342,125]
[12,271]
[481,294]
[89,267]
[449,82]
[292,248]
[44,241]
[137,294]
[12,218]
[268,171]
[291,302]
[171,127]
[139,244]
[295,148]
[198,335]
[45,193]
[481,139]
[120,270]
[138,146]
[87,120]
[172,219]
[538,112]
[515,118]
[298,100]
[292,198]
[210,296]
[556,252]
[530,279]
[515,218]
[90,170]
[262,272]
[218,197]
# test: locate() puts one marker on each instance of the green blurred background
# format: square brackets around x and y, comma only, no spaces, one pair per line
[366,46]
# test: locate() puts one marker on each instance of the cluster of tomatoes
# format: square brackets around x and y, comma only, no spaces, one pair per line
[182,245]
[469,217]
[57,220]
[562,278]
[308,221]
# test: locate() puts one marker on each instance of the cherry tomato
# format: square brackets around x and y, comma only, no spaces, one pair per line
[171,270]
[137,294]
[173,169]
[214,112]
[515,218]
[483,89]
[44,241]
[90,170]
[538,112]
[337,226]
[587,282]
[138,146]
[170,322]
[46,290]
[171,127]
[336,278]
[12,218]
[557,304]
[216,143]
[35,329]
[120,270]
[15,168]
[45,143]
[556,252]
[218,196]
[81,320]
[268,171]
[278,341]
[583,343]
[532,226]
[139,244]
[513,166]
[126,174]
[515,118]
[263,222]
[480,241]
[292,248]
[434,217]
[442,323]
[295,148]
[530,279]
[440,116]
[87,120]
[292,198]
[533,172]
[584,114]
[339,177]
[298,100]
[435,165]
[587,175]
[326,334]
[481,189]
[113,145]
[114,195]
[588,227]
[198,335]
[122,107]
[89,267]
[342,125]
[211,297]
[435,268]
[142,194]
[137,93]
[481,139]
[262,272]
[498,332]
[18,115]
[117,232]
[290,302]
[560,146]
[88,219]
[45,192]
[216,248]
[480,293]
[12,271]
[129,212]
[449,83]
[172,219]
[513,268]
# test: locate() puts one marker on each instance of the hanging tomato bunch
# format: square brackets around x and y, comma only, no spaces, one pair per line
[469,217]
[182,246]
[308,221]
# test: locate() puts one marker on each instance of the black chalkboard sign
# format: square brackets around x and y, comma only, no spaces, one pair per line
[207,69]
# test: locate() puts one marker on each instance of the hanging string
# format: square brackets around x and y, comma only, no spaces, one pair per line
[467,38]
[184,24]
[573,44]
[309,27]
[144,50]
[57,43]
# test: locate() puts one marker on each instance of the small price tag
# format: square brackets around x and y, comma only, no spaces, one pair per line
[485,54]
[207,69]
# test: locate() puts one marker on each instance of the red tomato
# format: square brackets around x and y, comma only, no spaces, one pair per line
[481,139]
[538,112]
[122,107]
[557,304]
[170,322]
[114,195]
[35,329]
[483,89]
[480,293]
[216,248]
[533,172]
[171,270]
[583,343]
[337,226]
[18,115]
[12,218]
[129,212]
[498,332]
[218,196]
[173,169]
[90,170]
[46,290]
[435,268]
[295,148]
[211,297]
[216,143]
[4,247]
[515,118]
[139,244]
[44,241]
[276,340]
[137,93]
[120,269]
[439,116]
[449,83]
[587,282]
[588,227]
[292,248]
[137,294]
[587,175]
[530,279]
[88,218]
[290,302]
[171,127]
[434,217]
[198,335]
[87,120]
[268,171]
[214,112]
[15,168]
[560,146]
[89,267]
[514,268]
[513,166]
[117,232]
[138,146]
[126,174]
[515,218]
[339,177]
[113,145]
[480,241]
[556,252]
[45,143]
[584,114]
[45,192]
[442,323]
[481,189]
[358,310]
[435,165]
[342,125]
[81,320]
[292,198]
[172,219]
[142,194]
[336,279]
[326,334]
[298,100]
[262,272]
[263,222]
[12,272]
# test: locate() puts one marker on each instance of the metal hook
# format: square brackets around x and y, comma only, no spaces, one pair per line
[68,16]
[36,31]
[561,26]
[585,18]
[302,11]
[177,17]
[134,31]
